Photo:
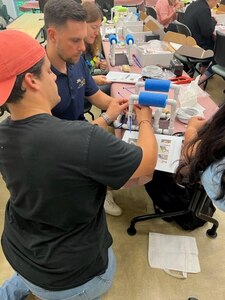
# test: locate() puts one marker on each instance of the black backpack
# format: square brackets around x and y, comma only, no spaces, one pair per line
[168,196]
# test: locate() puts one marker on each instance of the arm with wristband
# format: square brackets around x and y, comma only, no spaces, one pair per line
[146,140]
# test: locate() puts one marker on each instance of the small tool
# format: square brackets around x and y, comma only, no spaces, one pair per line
[181,80]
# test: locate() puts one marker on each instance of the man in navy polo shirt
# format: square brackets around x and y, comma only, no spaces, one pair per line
[65,22]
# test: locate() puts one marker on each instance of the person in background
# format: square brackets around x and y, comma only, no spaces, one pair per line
[204,156]
[66,26]
[55,232]
[167,12]
[93,54]
[199,20]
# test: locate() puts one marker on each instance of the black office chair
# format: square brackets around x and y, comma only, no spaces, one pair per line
[43,30]
[4,14]
[3,23]
[191,63]
[150,11]
[219,57]
[196,206]
[42,4]
[87,108]
[106,6]
[180,16]
[182,28]
[2,110]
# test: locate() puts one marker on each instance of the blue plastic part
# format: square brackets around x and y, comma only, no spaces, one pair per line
[112,38]
[157,85]
[129,37]
[152,99]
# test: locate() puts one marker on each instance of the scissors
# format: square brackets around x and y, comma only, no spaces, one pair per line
[181,80]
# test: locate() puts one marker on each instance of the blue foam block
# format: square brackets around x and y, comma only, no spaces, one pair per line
[152,99]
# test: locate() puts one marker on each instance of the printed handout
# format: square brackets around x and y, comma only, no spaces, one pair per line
[169,149]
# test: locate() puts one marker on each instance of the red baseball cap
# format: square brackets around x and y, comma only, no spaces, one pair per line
[18,53]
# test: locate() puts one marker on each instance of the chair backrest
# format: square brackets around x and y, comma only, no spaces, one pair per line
[2,23]
[180,16]
[182,28]
[4,13]
[106,6]
[219,50]
[150,11]
[42,4]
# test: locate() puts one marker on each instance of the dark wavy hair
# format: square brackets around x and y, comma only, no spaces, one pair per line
[206,148]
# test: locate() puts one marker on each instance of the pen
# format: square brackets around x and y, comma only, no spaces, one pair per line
[130,123]
[127,89]
[121,95]
[137,61]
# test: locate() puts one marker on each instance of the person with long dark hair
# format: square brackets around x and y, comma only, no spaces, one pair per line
[204,156]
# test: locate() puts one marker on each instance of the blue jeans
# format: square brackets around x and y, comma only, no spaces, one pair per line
[14,289]
[90,290]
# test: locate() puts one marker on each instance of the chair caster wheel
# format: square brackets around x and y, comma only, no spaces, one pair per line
[131,231]
[211,233]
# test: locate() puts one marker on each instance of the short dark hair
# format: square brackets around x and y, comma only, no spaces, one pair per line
[58,12]
[18,91]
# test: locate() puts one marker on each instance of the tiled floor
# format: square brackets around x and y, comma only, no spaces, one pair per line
[135,280]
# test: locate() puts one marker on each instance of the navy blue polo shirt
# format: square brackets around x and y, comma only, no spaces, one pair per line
[73,87]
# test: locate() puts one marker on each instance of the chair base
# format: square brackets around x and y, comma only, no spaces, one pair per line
[196,205]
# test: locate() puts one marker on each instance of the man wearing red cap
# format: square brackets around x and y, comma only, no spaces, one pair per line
[55,232]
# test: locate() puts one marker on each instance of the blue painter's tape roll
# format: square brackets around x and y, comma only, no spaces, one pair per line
[129,38]
[152,99]
[157,85]
[112,38]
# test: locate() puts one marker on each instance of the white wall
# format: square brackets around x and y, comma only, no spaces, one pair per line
[10,8]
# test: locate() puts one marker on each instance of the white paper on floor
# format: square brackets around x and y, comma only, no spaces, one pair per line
[173,253]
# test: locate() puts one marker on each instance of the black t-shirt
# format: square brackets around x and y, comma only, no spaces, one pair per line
[198,19]
[55,232]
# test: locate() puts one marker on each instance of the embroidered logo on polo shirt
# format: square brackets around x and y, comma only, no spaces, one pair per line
[80,82]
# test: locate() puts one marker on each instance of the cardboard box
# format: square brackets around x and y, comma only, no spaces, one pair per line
[175,43]
[151,24]
[186,46]
[194,52]
[132,26]
[221,9]
[220,18]
[161,58]
[139,33]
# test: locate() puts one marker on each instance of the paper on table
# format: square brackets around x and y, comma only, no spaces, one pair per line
[169,149]
[123,77]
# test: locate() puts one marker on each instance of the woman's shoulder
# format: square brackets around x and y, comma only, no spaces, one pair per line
[214,171]
[211,180]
